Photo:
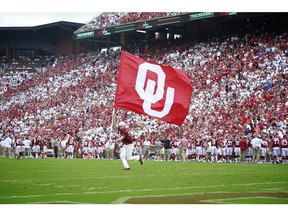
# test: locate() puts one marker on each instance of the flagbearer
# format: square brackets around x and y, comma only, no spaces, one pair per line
[126,139]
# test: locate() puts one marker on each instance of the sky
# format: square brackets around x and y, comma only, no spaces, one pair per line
[18,13]
[17,19]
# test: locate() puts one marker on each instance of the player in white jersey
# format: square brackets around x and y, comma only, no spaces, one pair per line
[237,149]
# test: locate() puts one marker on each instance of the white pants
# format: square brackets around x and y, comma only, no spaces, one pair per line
[70,149]
[284,152]
[126,154]
[276,151]
[237,151]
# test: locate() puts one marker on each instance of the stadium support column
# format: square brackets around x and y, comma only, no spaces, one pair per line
[150,36]
[14,48]
[122,40]
[171,34]
[10,48]
[108,44]
[7,49]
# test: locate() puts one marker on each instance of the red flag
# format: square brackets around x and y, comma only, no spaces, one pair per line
[152,89]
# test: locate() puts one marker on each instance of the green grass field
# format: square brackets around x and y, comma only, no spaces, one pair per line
[80,181]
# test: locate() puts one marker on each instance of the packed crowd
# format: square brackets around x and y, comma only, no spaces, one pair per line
[239,90]
[105,20]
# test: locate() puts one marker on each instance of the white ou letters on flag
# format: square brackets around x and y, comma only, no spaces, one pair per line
[152,89]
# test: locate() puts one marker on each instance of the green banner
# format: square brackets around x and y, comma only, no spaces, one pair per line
[85,35]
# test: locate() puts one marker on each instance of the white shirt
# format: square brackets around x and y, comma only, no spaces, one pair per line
[8,142]
[208,144]
[147,143]
[256,142]
[109,145]
[27,143]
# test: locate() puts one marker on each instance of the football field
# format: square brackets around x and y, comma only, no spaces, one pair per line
[82,181]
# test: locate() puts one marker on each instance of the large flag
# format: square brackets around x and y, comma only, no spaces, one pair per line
[152,89]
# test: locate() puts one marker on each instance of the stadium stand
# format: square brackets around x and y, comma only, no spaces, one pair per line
[110,19]
[239,81]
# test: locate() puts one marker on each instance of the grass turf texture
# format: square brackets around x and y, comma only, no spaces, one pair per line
[30,181]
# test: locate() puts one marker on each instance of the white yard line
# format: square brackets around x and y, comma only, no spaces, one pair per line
[137,190]
[58,202]
[224,201]
[121,176]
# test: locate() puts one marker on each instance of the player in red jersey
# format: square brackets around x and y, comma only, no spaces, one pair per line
[18,148]
[214,148]
[276,147]
[100,151]
[230,143]
[36,147]
[86,149]
[94,149]
[199,149]
[263,150]
[223,148]
[70,147]
[237,149]
[243,148]
[43,148]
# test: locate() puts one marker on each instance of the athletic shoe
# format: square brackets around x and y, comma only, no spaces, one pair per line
[126,169]
[140,160]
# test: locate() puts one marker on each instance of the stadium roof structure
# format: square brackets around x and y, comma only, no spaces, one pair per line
[112,34]
[177,20]
[49,31]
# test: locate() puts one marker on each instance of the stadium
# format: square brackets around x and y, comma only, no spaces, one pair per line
[58,87]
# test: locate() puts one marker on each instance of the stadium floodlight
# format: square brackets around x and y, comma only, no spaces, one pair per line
[141,31]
